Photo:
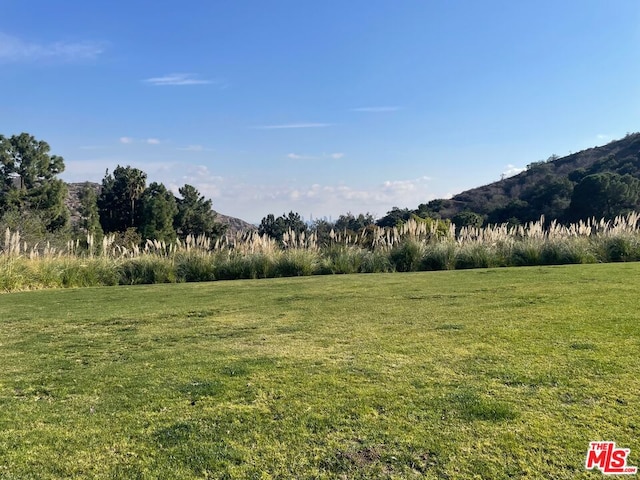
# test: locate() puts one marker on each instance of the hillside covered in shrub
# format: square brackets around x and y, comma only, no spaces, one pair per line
[597,182]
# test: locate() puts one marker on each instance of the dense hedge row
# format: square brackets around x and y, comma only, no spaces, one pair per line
[23,273]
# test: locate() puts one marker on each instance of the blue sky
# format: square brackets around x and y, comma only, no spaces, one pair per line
[318,107]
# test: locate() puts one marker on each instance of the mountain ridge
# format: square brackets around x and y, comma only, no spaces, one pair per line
[545,187]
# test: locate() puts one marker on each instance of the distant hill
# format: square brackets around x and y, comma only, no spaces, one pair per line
[233,224]
[549,188]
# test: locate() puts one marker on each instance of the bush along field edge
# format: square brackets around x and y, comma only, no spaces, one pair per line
[414,246]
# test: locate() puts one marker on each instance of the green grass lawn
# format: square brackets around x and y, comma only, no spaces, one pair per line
[503,373]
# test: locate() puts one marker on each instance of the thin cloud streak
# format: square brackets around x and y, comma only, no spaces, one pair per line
[254,200]
[14,49]
[334,156]
[179,79]
[294,125]
[295,156]
[131,140]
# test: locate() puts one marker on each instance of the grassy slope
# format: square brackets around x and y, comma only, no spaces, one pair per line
[501,373]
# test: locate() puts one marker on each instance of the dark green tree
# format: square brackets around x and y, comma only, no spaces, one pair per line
[119,199]
[28,182]
[549,197]
[467,218]
[394,217]
[136,181]
[352,223]
[515,209]
[195,215]
[277,227]
[431,209]
[322,228]
[159,210]
[604,195]
[89,216]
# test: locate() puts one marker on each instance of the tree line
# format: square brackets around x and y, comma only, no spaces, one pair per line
[32,196]
[348,224]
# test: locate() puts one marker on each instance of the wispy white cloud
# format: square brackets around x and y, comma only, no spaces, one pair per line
[131,140]
[334,156]
[512,170]
[294,125]
[253,200]
[177,79]
[375,109]
[200,176]
[15,49]
[295,156]
[398,186]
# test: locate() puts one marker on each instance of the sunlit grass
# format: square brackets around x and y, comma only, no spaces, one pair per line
[503,373]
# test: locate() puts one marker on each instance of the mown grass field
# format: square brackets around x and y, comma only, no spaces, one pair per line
[502,373]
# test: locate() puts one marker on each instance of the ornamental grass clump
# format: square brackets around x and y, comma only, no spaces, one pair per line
[407,255]
[564,251]
[193,266]
[475,255]
[375,261]
[418,244]
[146,269]
[341,259]
[439,256]
[525,253]
[296,263]
[621,248]
[233,266]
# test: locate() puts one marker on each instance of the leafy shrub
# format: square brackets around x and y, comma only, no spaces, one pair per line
[262,265]
[439,256]
[195,267]
[89,272]
[560,252]
[233,267]
[146,270]
[341,259]
[621,249]
[376,262]
[407,256]
[476,256]
[525,253]
[296,263]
